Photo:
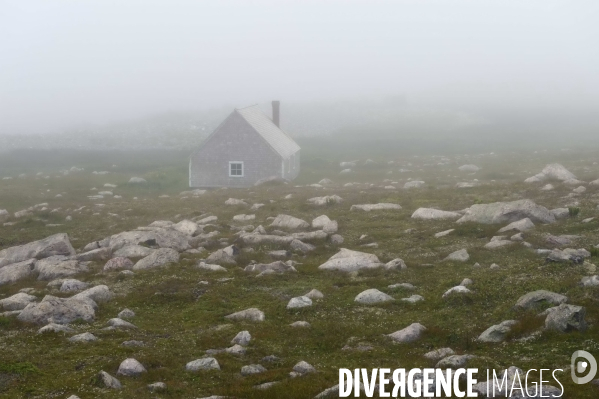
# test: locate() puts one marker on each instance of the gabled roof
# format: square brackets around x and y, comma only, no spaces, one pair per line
[274,136]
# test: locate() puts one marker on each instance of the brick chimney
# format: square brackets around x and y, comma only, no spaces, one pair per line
[276,105]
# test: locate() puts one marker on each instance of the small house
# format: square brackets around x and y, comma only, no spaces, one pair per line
[247,146]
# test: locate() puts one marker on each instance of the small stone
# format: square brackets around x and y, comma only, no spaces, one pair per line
[411,333]
[314,294]
[303,368]
[156,387]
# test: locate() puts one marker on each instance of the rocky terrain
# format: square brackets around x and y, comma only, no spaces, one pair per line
[120,282]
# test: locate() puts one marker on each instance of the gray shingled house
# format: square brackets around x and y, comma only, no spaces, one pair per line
[246,147]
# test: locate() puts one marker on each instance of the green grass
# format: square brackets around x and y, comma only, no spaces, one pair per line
[179,318]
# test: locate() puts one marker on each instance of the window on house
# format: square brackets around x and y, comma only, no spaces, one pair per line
[235,169]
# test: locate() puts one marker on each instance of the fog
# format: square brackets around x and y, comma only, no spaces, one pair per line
[67,64]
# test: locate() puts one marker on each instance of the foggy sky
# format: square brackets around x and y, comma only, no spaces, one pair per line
[64,63]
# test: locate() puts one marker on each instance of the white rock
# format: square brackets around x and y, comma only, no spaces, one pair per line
[409,334]
[131,368]
[207,363]
[459,256]
[372,296]
[299,302]
[434,214]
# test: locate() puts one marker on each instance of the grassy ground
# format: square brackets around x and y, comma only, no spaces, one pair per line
[179,318]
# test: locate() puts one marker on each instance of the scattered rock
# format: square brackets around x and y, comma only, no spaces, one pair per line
[535,299]
[507,212]
[207,363]
[160,257]
[251,314]
[108,381]
[566,318]
[409,334]
[458,256]
[131,368]
[372,296]
[299,302]
[375,207]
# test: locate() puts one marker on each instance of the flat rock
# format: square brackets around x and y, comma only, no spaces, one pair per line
[454,362]
[251,314]
[443,233]
[325,200]
[187,227]
[414,184]
[99,254]
[413,299]
[120,323]
[498,244]
[507,212]
[55,328]
[434,214]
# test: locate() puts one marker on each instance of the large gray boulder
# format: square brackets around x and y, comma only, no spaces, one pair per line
[507,212]
[372,296]
[160,257]
[347,260]
[17,271]
[536,299]
[150,236]
[58,244]
[434,214]
[58,266]
[566,318]
[288,222]
[58,310]
[411,333]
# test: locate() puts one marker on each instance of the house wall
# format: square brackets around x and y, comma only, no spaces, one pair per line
[292,166]
[234,140]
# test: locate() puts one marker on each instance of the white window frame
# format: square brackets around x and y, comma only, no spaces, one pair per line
[242,168]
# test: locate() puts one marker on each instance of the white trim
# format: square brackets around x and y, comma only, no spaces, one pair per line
[242,168]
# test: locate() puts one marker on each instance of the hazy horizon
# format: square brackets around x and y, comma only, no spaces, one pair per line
[71,64]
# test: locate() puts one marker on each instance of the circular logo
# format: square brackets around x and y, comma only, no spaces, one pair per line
[582,366]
